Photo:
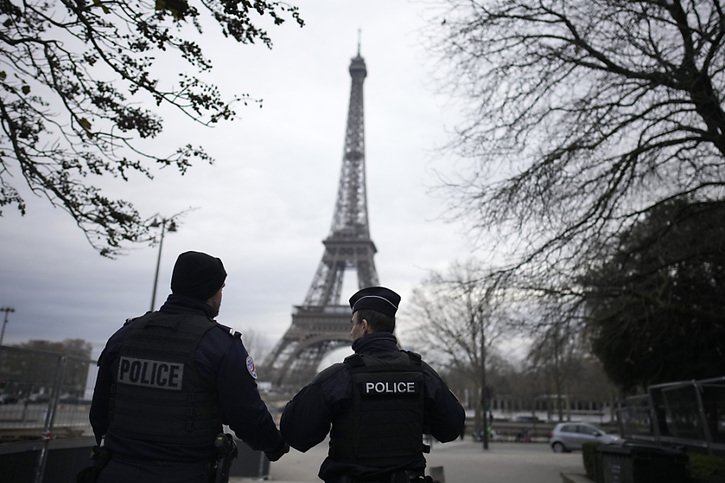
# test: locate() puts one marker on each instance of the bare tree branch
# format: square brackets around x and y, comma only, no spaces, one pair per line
[73,76]
[581,117]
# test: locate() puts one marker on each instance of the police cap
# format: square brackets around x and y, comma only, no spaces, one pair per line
[379,299]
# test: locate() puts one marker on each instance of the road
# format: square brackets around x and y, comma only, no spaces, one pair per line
[462,462]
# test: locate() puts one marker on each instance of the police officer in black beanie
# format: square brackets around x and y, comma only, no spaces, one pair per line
[376,405]
[168,380]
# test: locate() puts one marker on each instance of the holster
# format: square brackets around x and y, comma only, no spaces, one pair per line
[226,451]
[89,474]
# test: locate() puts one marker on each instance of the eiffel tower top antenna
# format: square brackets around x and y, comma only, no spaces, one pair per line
[359,35]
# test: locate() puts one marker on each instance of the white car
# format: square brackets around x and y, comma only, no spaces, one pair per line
[570,436]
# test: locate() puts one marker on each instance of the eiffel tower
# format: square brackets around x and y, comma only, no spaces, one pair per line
[321,324]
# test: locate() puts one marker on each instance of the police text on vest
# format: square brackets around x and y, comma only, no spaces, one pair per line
[389,387]
[148,373]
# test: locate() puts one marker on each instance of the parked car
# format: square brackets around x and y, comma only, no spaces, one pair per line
[570,436]
[8,399]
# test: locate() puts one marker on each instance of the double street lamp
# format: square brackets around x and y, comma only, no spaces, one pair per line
[165,224]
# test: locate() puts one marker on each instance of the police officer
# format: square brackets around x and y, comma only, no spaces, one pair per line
[169,379]
[376,405]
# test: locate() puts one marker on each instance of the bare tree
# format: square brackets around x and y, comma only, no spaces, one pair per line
[555,353]
[580,117]
[458,320]
[80,95]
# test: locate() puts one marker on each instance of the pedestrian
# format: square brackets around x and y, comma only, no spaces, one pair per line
[376,405]
[169,379]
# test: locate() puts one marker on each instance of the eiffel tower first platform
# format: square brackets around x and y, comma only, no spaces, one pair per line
[322,324]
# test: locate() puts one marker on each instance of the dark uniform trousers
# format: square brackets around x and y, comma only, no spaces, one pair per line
[397,477]
[119,470]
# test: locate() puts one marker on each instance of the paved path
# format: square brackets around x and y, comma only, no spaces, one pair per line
[462,461]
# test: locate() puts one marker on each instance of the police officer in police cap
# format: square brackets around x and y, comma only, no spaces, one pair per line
[376,405]
[168,380]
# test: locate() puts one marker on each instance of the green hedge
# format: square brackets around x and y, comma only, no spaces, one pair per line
[706,468]
[592,461]
[702,468]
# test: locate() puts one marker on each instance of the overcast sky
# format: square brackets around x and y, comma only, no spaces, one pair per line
[267,203]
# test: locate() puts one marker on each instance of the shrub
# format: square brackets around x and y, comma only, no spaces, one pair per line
[592,460]
[706,468]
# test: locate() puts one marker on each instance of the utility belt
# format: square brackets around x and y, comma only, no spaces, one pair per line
[101,456]
[218,469]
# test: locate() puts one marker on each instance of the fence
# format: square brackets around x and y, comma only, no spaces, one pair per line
[44,396]
[689,413]
[45,434]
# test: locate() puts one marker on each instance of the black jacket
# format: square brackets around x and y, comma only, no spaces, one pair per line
[224,366]
[309,416]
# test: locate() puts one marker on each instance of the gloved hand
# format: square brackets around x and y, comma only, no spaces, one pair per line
[275,455]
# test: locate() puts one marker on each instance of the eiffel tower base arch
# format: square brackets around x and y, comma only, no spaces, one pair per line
[315,332]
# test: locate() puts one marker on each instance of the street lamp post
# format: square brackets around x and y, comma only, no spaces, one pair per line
[7,310]
[172,228]
[484,436]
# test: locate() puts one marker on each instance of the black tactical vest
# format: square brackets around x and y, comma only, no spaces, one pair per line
[158,395]
[384,427]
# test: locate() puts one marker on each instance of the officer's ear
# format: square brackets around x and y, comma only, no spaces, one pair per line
[366,326]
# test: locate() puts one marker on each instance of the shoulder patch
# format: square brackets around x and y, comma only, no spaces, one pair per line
[233,333]
[251,368]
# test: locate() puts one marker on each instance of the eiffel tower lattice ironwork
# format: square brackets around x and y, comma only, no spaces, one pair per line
[321,324]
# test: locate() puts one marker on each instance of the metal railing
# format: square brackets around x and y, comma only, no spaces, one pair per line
[689,413]
[44,396]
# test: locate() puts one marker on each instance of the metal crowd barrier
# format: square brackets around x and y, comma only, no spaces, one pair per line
[44,396]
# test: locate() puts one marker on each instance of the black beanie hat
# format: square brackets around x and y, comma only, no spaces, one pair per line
[379,299]
[197,275]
